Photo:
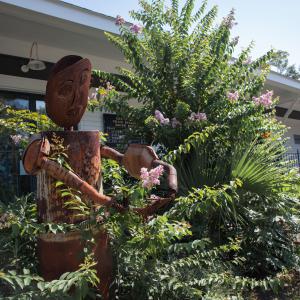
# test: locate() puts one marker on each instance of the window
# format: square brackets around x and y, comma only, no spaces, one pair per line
[11,182]
[32,102]
[297,139]
[40,106]
[16,103]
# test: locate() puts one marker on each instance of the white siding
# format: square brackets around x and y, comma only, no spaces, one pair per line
[91,121]
[294,128]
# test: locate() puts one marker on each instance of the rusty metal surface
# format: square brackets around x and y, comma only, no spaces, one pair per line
[63,252]
[84,158]
[33,155]
[107,152]
[136,157]
[67,90]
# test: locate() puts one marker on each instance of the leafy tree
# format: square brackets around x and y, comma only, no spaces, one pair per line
[281,62]
[182,65]
[209,109]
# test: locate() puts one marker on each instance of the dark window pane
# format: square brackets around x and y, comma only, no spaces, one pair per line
[297,139]
[295,114]
[17,103]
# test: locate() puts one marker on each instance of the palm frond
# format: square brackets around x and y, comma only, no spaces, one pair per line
[261,167]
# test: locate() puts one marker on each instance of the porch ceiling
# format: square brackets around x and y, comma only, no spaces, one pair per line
[95,43]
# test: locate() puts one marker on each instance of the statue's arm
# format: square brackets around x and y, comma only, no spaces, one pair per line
[107,152]
[36,158]
[140,156]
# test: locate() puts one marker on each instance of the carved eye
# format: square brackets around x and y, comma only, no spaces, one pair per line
[66,89]
[84,77]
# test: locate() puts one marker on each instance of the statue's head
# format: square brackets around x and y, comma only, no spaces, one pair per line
[67,90]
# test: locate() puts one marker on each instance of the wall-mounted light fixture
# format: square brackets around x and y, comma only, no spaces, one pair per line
[34,62]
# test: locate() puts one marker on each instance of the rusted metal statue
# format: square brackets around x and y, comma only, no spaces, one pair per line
[66,101]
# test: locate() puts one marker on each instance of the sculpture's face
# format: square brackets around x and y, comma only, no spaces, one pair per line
[67,91]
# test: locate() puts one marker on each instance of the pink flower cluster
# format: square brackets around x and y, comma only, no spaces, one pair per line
[119,20]
[248,61]
[235,40]
[94,95]
[198,116]
[17,138]
[264,100]
[160,118]
[229,20]
[151,178]
[175,123]
[136,28]
[233,97]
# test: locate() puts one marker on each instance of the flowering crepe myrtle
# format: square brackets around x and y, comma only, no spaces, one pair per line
[17,138]
[151,178]
[175,123]
[200,116]
[248,61]
[264,100]
[233,97]
[160,118]
[119,20]
[136,28]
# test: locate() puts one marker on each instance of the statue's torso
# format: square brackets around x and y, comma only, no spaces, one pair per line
[83,150]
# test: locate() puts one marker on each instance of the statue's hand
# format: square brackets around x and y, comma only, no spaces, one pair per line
[117,206]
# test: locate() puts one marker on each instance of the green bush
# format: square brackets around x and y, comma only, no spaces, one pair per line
[181,63]
[209,114]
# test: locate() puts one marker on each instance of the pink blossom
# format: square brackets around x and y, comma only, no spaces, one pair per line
[264,100]
[109,86]
[16,139]
[160,118]
[248,61]
[235,40]
[119,20]
[94,94]
[175,123]
[233,97]
[198,116]
[229,20]
[150,178]
[136,28]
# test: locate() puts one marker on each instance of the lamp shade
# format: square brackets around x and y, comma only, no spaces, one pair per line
[25,68]
[36,65]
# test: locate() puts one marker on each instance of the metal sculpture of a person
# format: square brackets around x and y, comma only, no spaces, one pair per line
[66,101]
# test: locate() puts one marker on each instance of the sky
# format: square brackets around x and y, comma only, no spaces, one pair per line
[269,23]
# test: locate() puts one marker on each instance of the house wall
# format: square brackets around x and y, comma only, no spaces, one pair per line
[293,128]
[90,121]
[60,29]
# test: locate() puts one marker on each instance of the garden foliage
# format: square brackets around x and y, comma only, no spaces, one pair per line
[182,65]
[210,115]
[230,233]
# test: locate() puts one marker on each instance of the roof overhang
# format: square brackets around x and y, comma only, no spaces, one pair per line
[280,81]
[58,13]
